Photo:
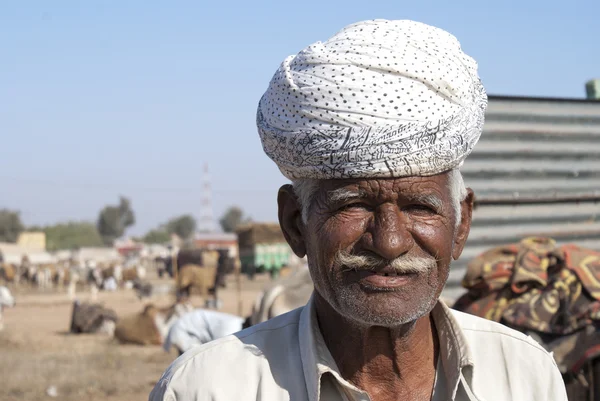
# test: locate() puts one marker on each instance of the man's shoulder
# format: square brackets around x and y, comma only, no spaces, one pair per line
[508,362]
[250,355]
[478,329]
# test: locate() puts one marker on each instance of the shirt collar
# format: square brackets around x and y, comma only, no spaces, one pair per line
[457,360]
[455,354]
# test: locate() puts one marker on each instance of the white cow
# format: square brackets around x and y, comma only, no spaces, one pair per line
[6,300]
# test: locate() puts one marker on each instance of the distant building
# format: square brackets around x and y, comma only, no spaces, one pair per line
[14,253]
[128,247]
[96,255]
[217,241]
[34,241]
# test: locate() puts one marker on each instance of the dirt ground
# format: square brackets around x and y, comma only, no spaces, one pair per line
[37,352]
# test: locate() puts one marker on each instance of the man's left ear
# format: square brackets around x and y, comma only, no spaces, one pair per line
[462,232]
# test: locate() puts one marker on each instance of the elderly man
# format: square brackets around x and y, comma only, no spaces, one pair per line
[370,127]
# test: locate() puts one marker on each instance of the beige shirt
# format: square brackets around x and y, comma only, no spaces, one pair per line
[286,358]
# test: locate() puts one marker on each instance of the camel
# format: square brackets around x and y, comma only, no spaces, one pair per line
[151,326]
[9,273]
[192,276]
[285,294]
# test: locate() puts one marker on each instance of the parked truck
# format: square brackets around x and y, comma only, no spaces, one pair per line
[263,248]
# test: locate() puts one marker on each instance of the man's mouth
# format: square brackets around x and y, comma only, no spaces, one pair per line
[385,279]
[390,274]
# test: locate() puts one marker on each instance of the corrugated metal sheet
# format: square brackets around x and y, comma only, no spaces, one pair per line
[535,171]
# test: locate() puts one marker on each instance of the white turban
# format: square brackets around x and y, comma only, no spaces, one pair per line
[379,99]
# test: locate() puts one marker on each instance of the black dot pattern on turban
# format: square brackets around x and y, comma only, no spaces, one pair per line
[379,99]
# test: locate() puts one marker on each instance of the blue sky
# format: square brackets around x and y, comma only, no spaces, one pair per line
[101,98]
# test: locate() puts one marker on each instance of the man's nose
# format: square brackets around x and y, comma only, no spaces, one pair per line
[390,237]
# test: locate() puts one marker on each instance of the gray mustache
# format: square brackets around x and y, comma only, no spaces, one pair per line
[404,264]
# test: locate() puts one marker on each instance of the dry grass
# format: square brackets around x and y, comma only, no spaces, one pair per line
[106,372]
[35,352]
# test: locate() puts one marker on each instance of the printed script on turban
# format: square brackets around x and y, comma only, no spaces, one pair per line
[379,99]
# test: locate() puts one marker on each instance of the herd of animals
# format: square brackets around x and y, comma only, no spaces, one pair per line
[201,274]
[199,270]
[69,274]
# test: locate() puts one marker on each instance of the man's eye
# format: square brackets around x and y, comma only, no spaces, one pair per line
[420,209]
[355,206]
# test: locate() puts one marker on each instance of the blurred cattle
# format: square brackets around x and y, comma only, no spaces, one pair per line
[143,290]
[92,318]
[185,257]
[225,266]
[9,273]
[111,276]
[200,278]
[196,271]
[134,273]
[151,326]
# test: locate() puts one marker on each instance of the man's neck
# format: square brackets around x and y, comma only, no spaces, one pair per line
[387,363]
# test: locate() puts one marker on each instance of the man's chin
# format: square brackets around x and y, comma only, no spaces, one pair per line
[393,313]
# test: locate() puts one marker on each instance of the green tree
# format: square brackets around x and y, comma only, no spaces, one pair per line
[114,220]
[71,235]
[232,218]
[156,236]
[184,226]
[10,225]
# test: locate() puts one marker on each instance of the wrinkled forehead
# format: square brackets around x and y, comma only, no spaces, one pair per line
[386,188]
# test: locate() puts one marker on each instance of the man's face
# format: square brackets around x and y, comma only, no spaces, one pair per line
[406,228]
